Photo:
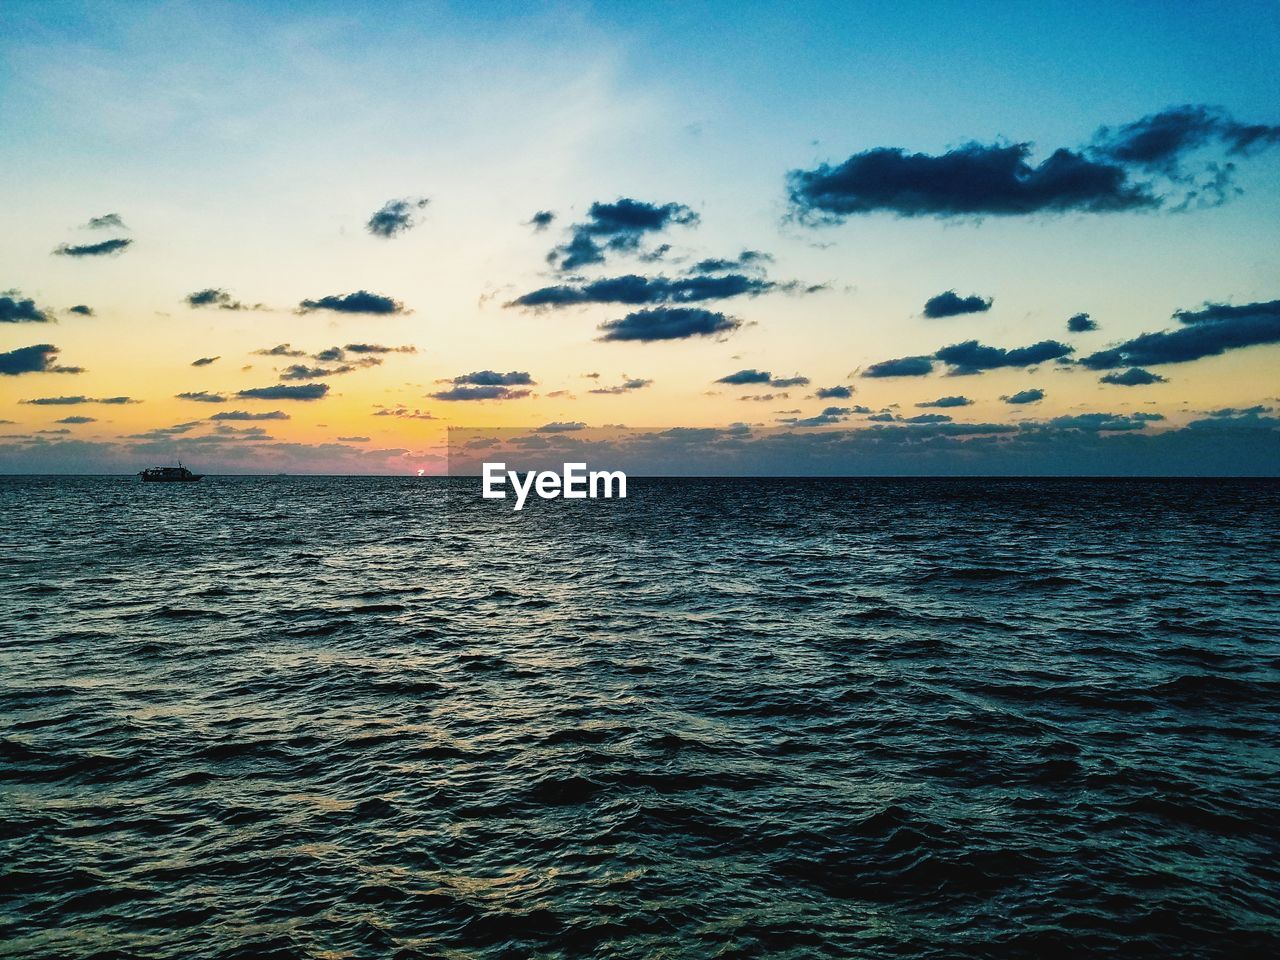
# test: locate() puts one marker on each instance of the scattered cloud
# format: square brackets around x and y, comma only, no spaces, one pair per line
[541,220]
[1162,140]
[635,290]
[669,323]
[201,396]
[281,350]
[626,386]
[377,348]
[745,377]
[1136,166]
[13,310]
[104,248]
[947,402]
[77,420]
[1133,377]
[217,297]
[404,413]
[838,392]
[902,367]
[246,415]
[951,304]
[39,358]
[1098,422]
[108,221]
[561,426]
[300,371]
[973,180]
[972,357]
[616,227]
[828,416]
[492,378]
[204,361]
[1212,330]
[746,260]
[1031,395]
[491,392]
[77,400]
[362,301]
[395,217]
[306,391]
[1081,323]
[81,310]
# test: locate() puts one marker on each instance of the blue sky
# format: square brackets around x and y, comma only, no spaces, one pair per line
[244,148]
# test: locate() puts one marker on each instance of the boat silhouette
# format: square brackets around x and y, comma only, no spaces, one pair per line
[178,474]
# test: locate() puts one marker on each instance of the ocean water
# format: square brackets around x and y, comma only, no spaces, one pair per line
[341,718]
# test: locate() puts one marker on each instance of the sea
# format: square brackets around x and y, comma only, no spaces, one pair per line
[342,717]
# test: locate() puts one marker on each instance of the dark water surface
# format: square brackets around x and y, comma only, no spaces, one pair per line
[313,717]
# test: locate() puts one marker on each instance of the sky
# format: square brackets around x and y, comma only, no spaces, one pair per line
[873,238]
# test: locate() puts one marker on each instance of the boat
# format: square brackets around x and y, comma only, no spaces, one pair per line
[178,474]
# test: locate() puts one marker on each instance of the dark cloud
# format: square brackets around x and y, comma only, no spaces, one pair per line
[947,402]
[616,227]
[204,361]
[972,180]
[404,413]
[1099,422]
[827,417]
[839,392]
[281,350]
[669,323]
[331,355]
[1238,412]
[77,420]
[635,290]
[299,371]
[22,311]
[902,367]
[246,415]
[377,348]
[746,376]
[216,297]
[561,426]
[1032,395]
[1161,141]
[492,378]
[395,217]
[972,357]
[951,304]
[1133,377]
[201,396]
[492,392]
[108,221]
[77,400]
[743,261]
[39,358]
[101,249]
[362,301]
[635,383]
[541,220]
[1081,323]
[927,418]
[81,309]
[306,391]
[1207,332]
